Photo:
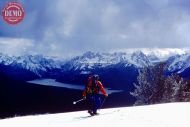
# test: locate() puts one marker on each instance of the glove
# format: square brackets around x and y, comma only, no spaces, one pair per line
[84,97]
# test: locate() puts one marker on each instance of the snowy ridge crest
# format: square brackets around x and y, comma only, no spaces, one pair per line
[36,63]
[160,53]
[178,60]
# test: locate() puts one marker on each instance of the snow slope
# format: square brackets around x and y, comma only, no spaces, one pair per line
[161,115]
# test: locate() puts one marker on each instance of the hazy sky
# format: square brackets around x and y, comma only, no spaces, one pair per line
[69,27]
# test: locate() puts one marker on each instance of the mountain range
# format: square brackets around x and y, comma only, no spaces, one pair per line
[120,67]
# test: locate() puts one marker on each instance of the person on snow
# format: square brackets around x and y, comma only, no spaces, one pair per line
[91,94]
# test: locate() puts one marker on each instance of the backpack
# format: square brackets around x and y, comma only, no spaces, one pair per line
[94,88]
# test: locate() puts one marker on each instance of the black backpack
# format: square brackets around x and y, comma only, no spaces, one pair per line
[95,87]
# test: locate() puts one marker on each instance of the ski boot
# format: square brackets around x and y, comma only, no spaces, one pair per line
[90,112]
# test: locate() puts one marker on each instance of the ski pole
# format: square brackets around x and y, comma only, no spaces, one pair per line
[102,102]
[75,102]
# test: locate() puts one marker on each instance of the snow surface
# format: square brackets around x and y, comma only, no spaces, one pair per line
[161,115]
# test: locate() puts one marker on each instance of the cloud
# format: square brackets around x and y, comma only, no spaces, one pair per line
[14,46]
[70,27]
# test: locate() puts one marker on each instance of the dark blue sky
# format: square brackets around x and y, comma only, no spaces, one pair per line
[69,27]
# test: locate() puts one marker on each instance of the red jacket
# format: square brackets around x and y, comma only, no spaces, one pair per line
[87,90]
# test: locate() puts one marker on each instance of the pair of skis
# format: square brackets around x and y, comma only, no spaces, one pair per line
[75,102]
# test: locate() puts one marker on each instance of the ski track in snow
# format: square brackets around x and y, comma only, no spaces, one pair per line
[160,115]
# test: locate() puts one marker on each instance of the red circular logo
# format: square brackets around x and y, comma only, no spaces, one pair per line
[13,13]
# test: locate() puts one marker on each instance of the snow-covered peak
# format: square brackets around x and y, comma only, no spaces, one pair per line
[34,63]
[165,52]
[140,59]
[137,57]
[5,59]
[161,53]
[90,60]
[179,63]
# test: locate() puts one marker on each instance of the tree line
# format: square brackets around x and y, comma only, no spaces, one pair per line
[155,86]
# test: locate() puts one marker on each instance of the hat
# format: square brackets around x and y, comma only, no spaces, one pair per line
[96,77]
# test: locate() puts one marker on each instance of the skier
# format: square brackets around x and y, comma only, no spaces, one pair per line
[91,94]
